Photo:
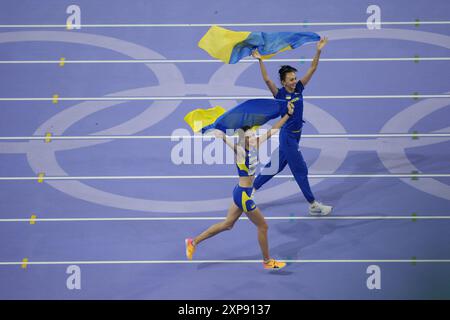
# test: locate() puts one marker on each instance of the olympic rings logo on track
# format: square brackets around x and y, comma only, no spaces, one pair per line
[331,156]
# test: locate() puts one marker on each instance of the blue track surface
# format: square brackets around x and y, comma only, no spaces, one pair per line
[224,266]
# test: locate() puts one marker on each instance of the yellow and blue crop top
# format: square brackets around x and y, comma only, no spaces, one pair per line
[247,168]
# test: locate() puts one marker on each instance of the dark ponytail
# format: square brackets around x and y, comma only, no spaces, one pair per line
[285,69]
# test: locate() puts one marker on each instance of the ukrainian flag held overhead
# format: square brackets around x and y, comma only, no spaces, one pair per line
[231,46]
[250,113]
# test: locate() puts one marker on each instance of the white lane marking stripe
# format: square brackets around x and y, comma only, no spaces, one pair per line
[222,218]
[173,98]
[260,24]
[81,262]
[157,61]
[383,135]
[312,176]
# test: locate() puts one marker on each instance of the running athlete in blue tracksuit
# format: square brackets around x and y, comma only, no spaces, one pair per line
[288,151]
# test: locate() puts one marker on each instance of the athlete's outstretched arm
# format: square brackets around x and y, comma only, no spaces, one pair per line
[315,61]
[272,87]
[277,125]
[229,142]
[221,135]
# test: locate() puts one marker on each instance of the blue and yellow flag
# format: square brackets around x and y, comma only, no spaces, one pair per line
[200,118]
[231,46]
[250,113]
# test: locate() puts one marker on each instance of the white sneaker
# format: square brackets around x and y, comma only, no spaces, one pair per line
[319,209]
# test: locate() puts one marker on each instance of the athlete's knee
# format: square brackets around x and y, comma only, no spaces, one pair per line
[227,225]
[263,226]
[300,168]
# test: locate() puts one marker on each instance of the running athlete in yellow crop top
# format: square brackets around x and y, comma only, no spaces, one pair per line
[246,162]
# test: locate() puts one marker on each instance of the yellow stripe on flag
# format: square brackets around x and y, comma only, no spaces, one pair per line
[219,42]
[200,118]
[268,56]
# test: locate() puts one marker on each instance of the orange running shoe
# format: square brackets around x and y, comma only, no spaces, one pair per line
[190,248]
[273,264]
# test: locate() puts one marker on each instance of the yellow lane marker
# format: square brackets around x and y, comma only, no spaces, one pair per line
[41,177]
[48,136]
[24,263]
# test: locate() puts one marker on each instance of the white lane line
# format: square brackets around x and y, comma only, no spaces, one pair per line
[160,61]
[417,22]
[176,98]
[222,218]
[383,135]
[84,262]
[312,176]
